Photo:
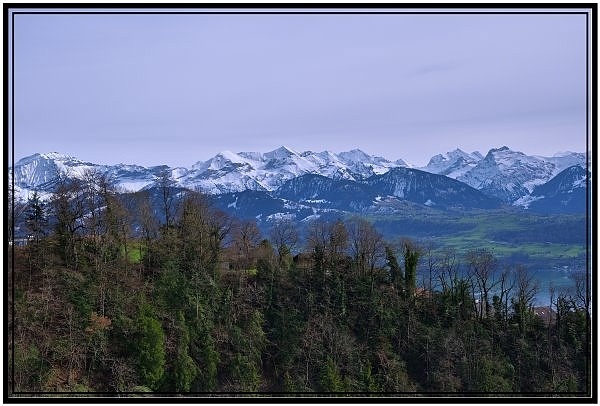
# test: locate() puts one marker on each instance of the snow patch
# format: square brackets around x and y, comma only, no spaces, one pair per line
[316,201]
[312,217]
[579,183]
[525,201]
[133,185]
[281,216]
[234,204]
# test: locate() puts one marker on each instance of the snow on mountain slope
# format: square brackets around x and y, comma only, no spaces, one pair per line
[453,164]
[280,153]
[39,169]
[502,173]
[226,172]
[134,177]
[564,160]
[367,165]
[323,192]
[568,180]
[565,193]
[511,175]
[229,172]
[429,189]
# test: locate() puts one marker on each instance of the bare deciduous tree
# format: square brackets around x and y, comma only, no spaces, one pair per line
[165,183]
[366,245]
[284,237]
[246,238]
[482,267]
[149,227]
[526,290]
[69,208]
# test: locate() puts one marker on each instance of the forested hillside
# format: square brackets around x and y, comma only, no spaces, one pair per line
[203,303]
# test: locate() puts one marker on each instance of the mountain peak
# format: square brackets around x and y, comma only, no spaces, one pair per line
[47,156]
[27,159]
[358,151]
[281,152]
[228,171]
[53,155]
[51,158]
[504,155]
[231,156]
[575,169]
[503,148]
[452,163]
[354,155]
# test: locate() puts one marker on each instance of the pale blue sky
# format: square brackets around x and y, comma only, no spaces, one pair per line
[175,89]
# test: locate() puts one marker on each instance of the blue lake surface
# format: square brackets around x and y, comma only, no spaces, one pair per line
[561,279]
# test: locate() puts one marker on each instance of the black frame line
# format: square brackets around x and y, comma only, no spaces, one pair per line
[13,9]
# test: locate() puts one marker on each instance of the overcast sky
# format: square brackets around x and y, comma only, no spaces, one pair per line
[176,89]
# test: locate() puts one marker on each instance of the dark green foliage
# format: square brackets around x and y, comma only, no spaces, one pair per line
[330,378]
[342,316]
[172,288]
[184,369]
[368,382]
[245,363]
[30,368]
[78,293]
[494,375]
[395,270]
[150,350]
[411,260]
[36,219]
[206,357]
[244,373]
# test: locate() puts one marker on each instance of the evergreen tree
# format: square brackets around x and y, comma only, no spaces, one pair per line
[411,260]
[330,378]
[368,381]
[150,350]
[36,219]
[205,355]
[395,270]
[185,369]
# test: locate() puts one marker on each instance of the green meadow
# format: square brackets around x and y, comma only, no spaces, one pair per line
[134,251]
[513,236]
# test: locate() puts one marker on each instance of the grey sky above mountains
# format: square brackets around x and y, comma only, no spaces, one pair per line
[176,89]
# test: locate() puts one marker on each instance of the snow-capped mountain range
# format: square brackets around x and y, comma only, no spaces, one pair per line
[453,164]
[504,174]
[224,173]
[510,175]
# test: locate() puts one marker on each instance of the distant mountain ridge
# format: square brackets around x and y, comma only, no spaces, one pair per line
[509,175]
[565,193]
[453,164]
[226,172]
[350,181]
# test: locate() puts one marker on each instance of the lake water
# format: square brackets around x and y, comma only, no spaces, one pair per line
[561,279]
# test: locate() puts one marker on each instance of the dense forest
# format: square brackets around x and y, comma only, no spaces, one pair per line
[194,301]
